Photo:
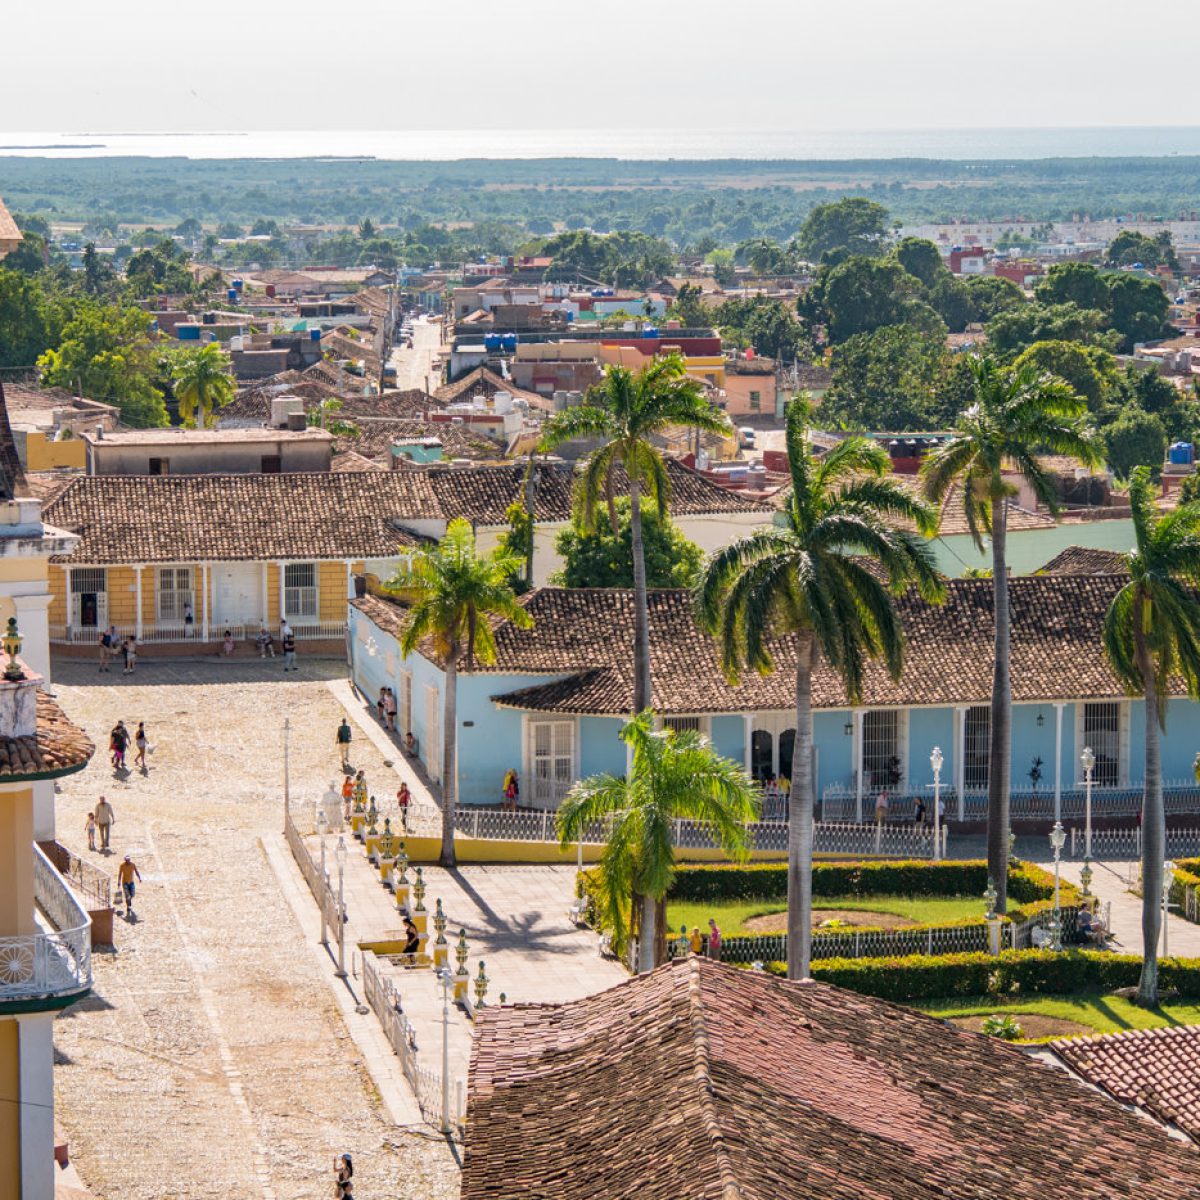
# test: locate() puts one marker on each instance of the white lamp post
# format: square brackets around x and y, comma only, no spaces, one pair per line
[1058,839]
[935,761]
[1088,758]
[340,855]
[446,980]
[324,877]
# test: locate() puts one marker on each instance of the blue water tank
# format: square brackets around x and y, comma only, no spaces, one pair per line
[491,342]
[1181,453]
[650,332]
[314,335]
[509,342]
[232,295]
[238,285]
[187,333]
[570,316]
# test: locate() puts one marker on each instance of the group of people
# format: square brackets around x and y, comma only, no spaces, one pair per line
[100,821]
[387,708]
[264,643]
[920,812]
[706,943]
[112,644]
[119,741]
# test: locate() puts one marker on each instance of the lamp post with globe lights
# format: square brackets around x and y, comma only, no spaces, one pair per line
[1058,839]
[1088,758]
[935,761]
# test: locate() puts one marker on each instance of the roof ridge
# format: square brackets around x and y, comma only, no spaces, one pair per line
[702,1076]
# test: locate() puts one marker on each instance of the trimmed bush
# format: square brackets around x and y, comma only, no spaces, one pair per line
[1185,885]
[1015,972]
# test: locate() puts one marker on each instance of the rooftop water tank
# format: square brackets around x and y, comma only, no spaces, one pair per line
[1181,453]
[314,335]
[232,296]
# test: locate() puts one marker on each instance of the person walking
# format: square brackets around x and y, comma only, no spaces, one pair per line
[90,829]
[118,744]
[141,742]
[512,790]
[105,819]
[344,734]
[347,797]
[403,800]
[343,1173]
[106,648]
[125,876]
[130,649]
[391,710]
[289,649]
[714,939]
[189,620]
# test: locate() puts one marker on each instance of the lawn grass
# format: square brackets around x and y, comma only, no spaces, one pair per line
[730,917]
[1102,1013]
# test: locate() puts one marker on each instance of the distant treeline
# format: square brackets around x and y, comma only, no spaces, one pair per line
[685,202]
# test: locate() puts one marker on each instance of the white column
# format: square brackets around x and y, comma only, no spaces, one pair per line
[857,750]
[206,588]
[33,620]
[349,579]
[44,828]
[1058,718]
[36,1092]
[281,591]
[960,766]
[138,624]
[748,728]
[266,603]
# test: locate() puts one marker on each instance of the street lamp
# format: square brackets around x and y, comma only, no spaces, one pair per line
[1058,839]
[935,761]
[340,855]
[1088,758]
[324,877]
[445,981]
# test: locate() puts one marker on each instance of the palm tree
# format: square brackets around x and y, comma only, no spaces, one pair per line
[1152,636]
[1018,413]
[453,593]
[202,384]
[627,410]
[812,578]
[674,776]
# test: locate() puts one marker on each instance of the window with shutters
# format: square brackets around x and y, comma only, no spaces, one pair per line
[175,596]
[551,770]
[300,590]
[883,748]
[1102,732]
[977,731]
[681,724]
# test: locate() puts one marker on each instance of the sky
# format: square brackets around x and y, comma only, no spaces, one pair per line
[233,65]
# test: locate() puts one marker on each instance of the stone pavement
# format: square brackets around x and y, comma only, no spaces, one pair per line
[212,1058]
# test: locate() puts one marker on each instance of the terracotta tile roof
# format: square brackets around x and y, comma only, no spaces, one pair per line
[483,382]
[46,485]
[197,518]
[12,474]
[59,748]
[375,437]
[1084,560]
[1155,1069]
[8,227]
[586,634]
[350,460]
[704,1081]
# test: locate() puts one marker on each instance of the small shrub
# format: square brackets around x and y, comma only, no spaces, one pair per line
[1006,1028]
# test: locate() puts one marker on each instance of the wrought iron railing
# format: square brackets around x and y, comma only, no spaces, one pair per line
[54,964]
[1126,844]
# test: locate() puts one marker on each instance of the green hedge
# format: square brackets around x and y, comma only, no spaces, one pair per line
[1185,879]
[1015,972]
[721,883]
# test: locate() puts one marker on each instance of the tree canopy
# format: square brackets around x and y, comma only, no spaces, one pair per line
[850,226]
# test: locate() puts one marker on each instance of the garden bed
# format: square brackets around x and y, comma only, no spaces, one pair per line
[1046,1017]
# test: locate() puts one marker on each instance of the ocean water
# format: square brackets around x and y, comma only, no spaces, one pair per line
[642,144]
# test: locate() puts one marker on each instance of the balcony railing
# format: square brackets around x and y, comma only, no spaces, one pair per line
[49,966]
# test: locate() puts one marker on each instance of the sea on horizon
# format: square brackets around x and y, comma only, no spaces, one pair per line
[638,144]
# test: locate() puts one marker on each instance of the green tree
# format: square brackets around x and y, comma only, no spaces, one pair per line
[30,323]
[1074,283]
[992,294]
[1130,247]
[1011,331]
[811,579]
[1151,637]
[202,384]
[721,261]
[1017,414]
[862,294]
[628,410]
[454,596]
[31,256]
[602,559]
[674,776]
[1090,371]
[890,379]
[770,326]
[851,226]
[951,300]
[107,353]
[1135,439]
[921,259]
[1139,310]
[688,308]
[516,542]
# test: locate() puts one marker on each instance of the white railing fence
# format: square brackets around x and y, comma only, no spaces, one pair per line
[385,1002]
[1126,844]
[49,964]
[177,633]
[320,885]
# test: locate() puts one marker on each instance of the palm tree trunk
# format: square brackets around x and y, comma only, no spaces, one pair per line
[641,610]
[530,501]
[1154,828]
[661,933]
[800,821]
[1000,749]
[648,935]
[449,760]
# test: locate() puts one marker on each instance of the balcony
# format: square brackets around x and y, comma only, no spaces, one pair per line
[50,969]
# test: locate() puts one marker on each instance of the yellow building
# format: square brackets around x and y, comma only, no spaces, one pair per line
[45,933]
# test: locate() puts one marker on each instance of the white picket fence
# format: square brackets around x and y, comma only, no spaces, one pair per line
[1122,845]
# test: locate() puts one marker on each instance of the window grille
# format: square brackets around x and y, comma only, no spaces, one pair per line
[1102,731]
[300,590]
[882,752]
[977,732]
[174,593]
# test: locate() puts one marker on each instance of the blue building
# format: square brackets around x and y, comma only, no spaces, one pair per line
[554,702]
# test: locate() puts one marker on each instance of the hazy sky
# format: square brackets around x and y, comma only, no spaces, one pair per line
[124,65]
